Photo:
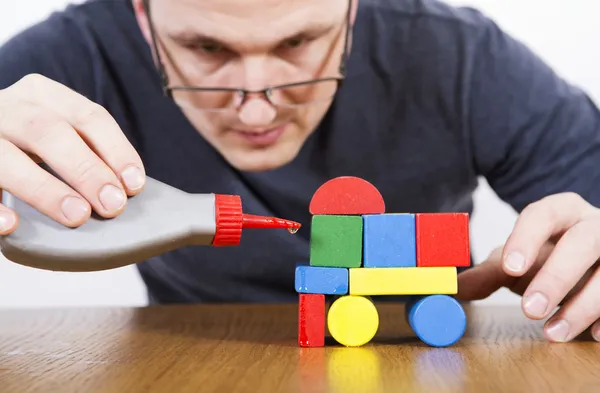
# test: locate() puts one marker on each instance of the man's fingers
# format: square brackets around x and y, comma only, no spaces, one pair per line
[579,313]
[538,223]
[8,219]
[40,131]
[482,280]
[595,330]
[40,189]
[478,283]
[571,258]
[93,123]
[35,158]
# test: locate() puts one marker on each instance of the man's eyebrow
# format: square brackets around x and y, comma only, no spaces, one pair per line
[190,37]
[315,30]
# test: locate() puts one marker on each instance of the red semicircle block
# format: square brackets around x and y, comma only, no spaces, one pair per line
[347,195]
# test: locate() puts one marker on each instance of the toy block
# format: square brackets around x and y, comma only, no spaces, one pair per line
[336,241]
[346,195]
[389,240]
[438,320]
[357,250]
[321,280]
[352,320]
[442,239]
[311,320]
[403,281]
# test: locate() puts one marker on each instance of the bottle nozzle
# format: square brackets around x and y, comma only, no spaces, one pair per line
[230,220]
[252,221]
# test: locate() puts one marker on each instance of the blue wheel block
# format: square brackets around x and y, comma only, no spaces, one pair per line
[389,240]
[409,302]
[438,320]
[322,280]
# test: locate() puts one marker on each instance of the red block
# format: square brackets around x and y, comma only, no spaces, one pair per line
[311,320]
[442,239]
[347,195]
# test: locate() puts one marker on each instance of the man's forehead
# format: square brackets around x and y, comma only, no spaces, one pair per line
[251,8]
[251,20]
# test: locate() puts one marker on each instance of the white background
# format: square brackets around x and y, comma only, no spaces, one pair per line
[564,33]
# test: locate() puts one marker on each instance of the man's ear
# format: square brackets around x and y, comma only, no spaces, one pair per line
[142,19]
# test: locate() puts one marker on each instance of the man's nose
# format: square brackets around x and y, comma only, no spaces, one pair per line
[257,112]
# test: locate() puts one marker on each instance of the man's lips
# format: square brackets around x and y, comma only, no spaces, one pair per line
[263,137]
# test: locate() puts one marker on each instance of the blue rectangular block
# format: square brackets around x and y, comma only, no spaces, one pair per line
[321,280]
[389,240]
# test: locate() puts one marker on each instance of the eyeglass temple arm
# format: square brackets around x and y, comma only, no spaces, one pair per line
[161,67]
[344,58]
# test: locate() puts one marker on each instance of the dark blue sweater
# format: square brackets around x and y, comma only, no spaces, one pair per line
[435,97]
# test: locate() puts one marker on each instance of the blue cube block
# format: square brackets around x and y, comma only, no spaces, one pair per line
[321,280]
[389,240]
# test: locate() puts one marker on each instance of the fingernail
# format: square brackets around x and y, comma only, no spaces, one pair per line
[558,330]
[112,198]
[536,304]
[133,177]
[7,221]
[596,332]
[514,262]
[74,208]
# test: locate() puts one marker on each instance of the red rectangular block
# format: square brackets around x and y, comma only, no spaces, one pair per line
[311,320]
[442,239]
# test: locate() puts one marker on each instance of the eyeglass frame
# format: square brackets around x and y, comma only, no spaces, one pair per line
[168,90]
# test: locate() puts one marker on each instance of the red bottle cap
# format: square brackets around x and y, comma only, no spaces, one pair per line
[230,220]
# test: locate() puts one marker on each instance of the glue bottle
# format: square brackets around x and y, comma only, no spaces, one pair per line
[159,219]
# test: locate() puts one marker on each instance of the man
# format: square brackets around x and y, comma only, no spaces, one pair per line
[417,97]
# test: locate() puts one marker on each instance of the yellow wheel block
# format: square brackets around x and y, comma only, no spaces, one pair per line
[353,320]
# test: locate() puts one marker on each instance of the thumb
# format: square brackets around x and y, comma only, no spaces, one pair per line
[482,280]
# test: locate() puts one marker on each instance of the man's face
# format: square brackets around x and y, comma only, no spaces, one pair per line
[252,45]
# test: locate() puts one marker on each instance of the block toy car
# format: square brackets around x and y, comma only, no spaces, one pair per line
[358,251]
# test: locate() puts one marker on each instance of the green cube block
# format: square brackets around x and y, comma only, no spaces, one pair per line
[336,241]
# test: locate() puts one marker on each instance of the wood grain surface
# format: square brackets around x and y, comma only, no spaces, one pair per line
[252,348]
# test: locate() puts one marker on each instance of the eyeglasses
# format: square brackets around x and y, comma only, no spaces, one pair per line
[285,96]
[309,92]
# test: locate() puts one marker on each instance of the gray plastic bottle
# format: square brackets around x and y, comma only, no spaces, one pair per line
[159,219]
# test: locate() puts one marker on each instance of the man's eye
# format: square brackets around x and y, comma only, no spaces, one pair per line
[294,43]
[211,48]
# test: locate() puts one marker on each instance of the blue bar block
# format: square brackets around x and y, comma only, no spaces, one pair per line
[389,240]
[438,320]
[321,280]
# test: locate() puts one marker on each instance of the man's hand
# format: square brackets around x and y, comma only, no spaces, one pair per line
[550,258]
[42,120]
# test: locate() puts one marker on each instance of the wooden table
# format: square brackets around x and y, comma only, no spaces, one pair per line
[252,348]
